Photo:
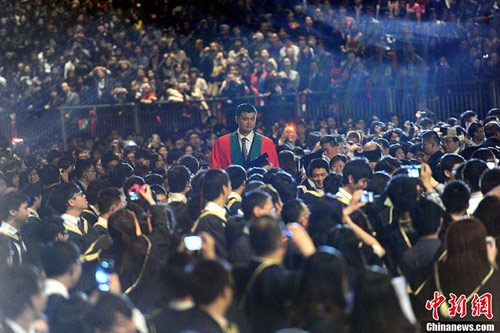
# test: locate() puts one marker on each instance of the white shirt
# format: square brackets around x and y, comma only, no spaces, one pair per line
[176,197]
[16,328]
[475,199]
[234,195]
[34,212]
[7,229]
[343,194]
[70,221]
[250,137]
[102,221]
[54,287]
[213,207]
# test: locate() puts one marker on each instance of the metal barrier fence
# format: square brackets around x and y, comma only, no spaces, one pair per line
[168,117]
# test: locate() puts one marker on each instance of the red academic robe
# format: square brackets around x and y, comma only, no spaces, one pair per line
[226,151]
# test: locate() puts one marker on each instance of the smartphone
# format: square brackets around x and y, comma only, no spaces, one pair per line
[366,197]
[134,191]
[413,170]
[204,165]
[103,274]
[489,241]
[193,243]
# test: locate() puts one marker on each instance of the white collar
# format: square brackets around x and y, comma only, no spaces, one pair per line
[213,207]
[95,209]
[343,194]
[176,197]
[71,221]
[54,287]
[249,136]
[16,328]
[235,195]
[7,228]
[34,212]
[102,221]
[181,305]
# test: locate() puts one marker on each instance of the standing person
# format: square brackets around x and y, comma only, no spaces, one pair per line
[244,145]
[14,214]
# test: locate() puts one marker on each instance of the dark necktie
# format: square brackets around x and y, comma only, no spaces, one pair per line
[244,151]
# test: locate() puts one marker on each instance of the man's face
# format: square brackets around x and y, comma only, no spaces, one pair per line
[91,173]
[268,209]
[450,145]
[428,147]
[21,215]
[479,135]
[329,149]
[360,184]
[78,201]
[246,122]
[194,139]
[318,176]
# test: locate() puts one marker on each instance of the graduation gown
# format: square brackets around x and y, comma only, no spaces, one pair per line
[215,225]
[227,151]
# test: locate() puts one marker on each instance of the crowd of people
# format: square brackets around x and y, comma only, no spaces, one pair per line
[308,230]
[57,53]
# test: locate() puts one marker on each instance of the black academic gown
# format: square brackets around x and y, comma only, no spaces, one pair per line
[215,225]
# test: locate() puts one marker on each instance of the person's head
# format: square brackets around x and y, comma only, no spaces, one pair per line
[190,162]
[402,190]
[487,212]
[329,145]
[323,287]
[14,209]
[94,188]
[112,313]
[455,197]
[378,182]
[449,163]
[426,217]
[266,237]
[51,229]
[211,285]
[34,193]
[431,142]
[374,298]
[397,152]
[246,116]
[475,132]
[256,203]
[215,185]
[337,163]
[487,155]
[238,176]
[489,180]
[472,171]
[467,117]
[119,174]
[21,293]
[178,179]
[384,144]
[109,200]
[61,262]
[176,276]
[332,183]
[284,183]
[492,130]
[85,171]
[295,211]
[356,174]
[317,171]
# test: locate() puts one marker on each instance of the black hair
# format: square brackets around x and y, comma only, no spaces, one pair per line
[284,184]
[491,129]
[245,107]
[402,190]
[473,169]
[119,173]
[265,235]
[473,128]
[383,143]
[387,164]
[393,149]
[426,217]
[338,157]
[183,220]
[317,163]
[252,199]
[465,117]
[191,162]
[209,278]
[11,201]
[483,154]
[269,189]
[455,196]
[213,183]
[487,211]
[108,158]
[256,170]
[449,160]
[50,227]
[358,168]
[292,210]
[94,188]
[17,285]
[237,175]
[332,183]
[158,189]
[489,180]
[378,182]
[433,136]
[154,179]
[103,313]
[108,197]
[49,175]
[176,278]
[58,258]
[32,191]
[81,166]
[328,139]
[178,176]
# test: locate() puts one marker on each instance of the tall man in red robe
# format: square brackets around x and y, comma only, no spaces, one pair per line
[243,146]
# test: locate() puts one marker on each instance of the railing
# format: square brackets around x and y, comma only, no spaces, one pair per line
[166,118]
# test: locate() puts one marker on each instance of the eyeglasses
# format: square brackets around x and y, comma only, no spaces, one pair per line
[76,195]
